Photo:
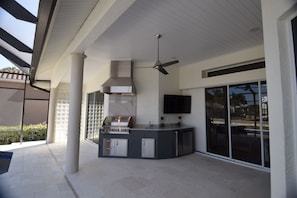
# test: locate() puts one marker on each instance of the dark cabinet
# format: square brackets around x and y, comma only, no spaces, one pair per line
[153,144]
[166,144]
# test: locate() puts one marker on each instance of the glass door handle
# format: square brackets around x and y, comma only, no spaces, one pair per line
[176,143]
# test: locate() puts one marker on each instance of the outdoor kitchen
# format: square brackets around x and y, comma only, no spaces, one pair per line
[121,135]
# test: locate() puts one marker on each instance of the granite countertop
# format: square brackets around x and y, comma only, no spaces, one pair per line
[156,127]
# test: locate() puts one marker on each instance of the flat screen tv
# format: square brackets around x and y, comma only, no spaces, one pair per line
[177,104]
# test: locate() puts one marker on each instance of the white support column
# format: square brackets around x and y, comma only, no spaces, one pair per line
[51,116]
[73,136]
[281,84]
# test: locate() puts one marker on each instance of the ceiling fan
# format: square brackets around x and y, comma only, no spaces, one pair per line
[160,66]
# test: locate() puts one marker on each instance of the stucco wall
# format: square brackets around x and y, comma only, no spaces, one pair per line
[281,83]
[151,85]
[147,87]
[192,83]
[190,75]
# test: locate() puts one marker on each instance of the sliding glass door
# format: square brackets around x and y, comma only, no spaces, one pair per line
[217,125]
[237,122]
[245,125]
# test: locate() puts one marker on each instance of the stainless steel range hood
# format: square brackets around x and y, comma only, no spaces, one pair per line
[120,81]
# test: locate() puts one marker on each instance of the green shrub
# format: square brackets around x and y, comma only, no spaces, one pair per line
[10,134]
[34,132]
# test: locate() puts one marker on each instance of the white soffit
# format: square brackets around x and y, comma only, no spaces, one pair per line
[192,30]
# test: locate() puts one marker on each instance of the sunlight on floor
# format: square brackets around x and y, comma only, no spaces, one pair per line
[18,145]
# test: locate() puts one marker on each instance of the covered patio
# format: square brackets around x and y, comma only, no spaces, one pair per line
[38,171]
[74,44]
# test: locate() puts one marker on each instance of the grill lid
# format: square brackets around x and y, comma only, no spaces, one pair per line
[118,121]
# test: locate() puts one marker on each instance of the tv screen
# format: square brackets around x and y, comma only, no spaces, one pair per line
[177,104]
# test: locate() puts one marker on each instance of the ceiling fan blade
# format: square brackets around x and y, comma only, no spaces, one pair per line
[162,70]
[169,63]
[159,66]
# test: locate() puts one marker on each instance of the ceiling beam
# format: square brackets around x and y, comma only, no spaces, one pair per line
[13,58]
[8,38]
[18,11]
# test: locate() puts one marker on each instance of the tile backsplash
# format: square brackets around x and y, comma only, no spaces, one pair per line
[122,105]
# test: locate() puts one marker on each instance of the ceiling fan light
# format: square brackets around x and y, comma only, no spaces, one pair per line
[157,65]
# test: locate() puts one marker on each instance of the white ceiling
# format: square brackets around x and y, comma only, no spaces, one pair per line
[192,30]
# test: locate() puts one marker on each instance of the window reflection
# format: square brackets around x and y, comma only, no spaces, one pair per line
[245,123]
[265,124]
[216,118]
[249,127]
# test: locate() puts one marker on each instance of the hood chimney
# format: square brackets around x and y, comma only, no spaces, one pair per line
[120,81]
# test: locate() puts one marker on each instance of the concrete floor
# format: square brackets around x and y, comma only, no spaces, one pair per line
[38,171]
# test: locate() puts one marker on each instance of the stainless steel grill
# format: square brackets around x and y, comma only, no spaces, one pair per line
[117,124]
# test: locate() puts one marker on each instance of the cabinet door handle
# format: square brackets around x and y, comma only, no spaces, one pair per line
[176,143]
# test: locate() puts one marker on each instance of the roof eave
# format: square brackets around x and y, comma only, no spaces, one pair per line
[45,13]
